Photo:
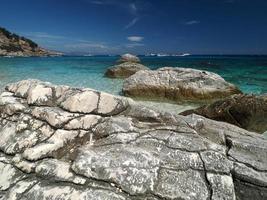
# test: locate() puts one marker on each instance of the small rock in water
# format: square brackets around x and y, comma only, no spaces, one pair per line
[178,84]
[128,65]
[128,58]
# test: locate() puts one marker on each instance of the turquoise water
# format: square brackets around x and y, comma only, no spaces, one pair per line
[249,73]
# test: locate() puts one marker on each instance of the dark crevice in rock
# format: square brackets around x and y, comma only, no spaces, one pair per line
[45,140]
[23,172]
[209,185]
[248,165]
[61,126]
[139,116]
[146,119]
[107,184]
[130,141]
[65,123]
[27,190]
[39,159]
[69,150]
[126,193]
[235,177]
[44,121]
[113,143]
[2,194]
[7,163]
[10,156]
[247,191]
[54,98]
[181,169]
[14,183]
[111,183]
[98,102]
[9,116]
[229,145]
[176,148]
[234,120]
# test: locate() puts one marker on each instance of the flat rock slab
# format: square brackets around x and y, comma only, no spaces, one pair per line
[74,143]
[178,84]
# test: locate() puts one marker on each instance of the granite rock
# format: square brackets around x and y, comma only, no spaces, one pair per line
[128,58]
[85,144]
[178,84]
[124,70]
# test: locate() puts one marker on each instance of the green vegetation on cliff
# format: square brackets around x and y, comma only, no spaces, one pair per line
[12,44]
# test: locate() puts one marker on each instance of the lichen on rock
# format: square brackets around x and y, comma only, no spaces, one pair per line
[72,143]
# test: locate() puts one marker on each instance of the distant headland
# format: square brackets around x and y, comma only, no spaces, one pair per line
[13,45]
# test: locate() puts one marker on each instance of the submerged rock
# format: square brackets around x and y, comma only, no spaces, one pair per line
[246,111]
[178,84]
[60,146]
[124,70]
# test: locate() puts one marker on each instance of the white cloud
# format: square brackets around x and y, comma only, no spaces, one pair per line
[131,23]
[87,45]
[42,35]
[192,22]
[135,38]
[133,8]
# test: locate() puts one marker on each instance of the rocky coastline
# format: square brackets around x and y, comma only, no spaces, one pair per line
[13,45]
[59,142]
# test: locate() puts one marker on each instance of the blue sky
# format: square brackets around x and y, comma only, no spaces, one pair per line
[141,26]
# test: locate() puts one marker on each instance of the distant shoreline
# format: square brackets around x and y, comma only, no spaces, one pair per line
[100,55]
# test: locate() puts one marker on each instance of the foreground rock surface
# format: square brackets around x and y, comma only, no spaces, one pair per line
[178,84]
[58,142]
[246,111]
[124,70]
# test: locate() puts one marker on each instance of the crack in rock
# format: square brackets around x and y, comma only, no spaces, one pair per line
[60,142]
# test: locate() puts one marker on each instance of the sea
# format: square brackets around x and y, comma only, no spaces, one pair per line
[249,73]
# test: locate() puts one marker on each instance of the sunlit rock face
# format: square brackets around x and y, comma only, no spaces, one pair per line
[178,84]
[58,142]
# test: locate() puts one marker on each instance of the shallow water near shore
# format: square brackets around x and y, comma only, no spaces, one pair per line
[249,73]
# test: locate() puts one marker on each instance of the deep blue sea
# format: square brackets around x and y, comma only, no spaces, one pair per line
[249,73]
